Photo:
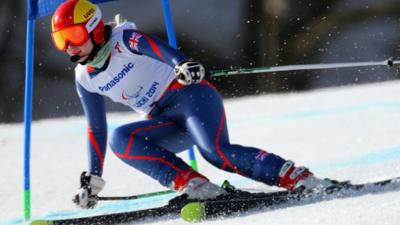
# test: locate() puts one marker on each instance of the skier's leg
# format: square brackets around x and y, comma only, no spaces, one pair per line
[145,146]
[207,123]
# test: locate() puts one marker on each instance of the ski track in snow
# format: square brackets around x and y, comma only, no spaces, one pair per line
[346,133]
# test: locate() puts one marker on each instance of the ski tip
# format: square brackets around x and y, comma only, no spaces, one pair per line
[193,212]
[41,222]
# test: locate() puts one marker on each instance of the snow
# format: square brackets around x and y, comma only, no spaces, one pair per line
[346,133]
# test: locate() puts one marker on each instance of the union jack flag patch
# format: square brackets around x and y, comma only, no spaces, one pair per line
[134,41]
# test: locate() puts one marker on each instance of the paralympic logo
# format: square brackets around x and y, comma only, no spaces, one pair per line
[142,96]
[136,94]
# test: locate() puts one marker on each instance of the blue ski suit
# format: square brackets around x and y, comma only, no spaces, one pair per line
[140,73]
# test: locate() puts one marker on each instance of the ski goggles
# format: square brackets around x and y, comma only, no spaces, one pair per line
[75,35]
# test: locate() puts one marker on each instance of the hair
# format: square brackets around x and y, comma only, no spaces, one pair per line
[118,20]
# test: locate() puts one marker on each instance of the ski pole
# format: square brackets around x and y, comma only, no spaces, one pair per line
[217,73]
[146,195]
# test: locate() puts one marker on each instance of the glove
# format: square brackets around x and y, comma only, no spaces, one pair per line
[189,73]
[91,185]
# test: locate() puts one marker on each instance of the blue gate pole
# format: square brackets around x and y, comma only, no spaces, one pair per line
[172,42]
[30,37]
[169,24]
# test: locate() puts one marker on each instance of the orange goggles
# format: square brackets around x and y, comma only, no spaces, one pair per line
[75,35]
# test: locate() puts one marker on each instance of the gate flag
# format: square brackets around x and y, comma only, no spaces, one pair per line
[40,8]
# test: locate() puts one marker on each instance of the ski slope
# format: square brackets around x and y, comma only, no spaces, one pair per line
[347,133]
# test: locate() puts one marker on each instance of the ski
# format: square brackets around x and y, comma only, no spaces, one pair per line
[211,209]
[171,210]
[235,202]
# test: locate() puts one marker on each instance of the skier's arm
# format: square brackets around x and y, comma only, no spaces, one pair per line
[144,44]
[187,72]
[94,108]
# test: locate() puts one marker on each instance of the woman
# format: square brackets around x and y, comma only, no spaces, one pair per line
[182,109]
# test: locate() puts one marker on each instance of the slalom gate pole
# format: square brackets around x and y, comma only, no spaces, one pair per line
[28,114]
[173,43]
[272,69]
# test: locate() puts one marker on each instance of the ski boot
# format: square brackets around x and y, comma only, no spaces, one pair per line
[301,179]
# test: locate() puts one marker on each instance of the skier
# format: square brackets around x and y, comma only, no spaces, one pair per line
[182,109]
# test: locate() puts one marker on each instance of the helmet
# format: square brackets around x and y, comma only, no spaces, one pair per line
[74,22]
